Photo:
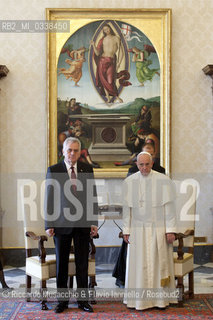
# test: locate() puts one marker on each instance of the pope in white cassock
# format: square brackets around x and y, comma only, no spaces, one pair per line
[149,225]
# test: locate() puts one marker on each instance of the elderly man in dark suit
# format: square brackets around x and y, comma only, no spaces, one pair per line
[71,214]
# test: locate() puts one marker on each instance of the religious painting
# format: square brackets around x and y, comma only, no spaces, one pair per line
[110,86]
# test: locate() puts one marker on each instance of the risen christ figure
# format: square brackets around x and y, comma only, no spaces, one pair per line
[108,57]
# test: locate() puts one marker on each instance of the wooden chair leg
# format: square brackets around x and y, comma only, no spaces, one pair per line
[28,287]
[92,281]
[2,280]
[180,286]
[43,289]
[92,284]
[70,282]
[191,284]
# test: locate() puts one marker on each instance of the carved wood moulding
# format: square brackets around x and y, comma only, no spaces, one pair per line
[208,70]
[3,71]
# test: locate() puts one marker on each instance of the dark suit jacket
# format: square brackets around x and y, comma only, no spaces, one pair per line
[64,209]
[155,167]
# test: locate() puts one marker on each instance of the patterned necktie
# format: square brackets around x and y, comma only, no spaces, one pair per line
[73,179]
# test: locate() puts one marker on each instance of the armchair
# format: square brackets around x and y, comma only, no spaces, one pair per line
[186,195]
[40,253]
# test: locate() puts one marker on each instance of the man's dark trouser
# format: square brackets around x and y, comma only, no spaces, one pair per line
[81,248]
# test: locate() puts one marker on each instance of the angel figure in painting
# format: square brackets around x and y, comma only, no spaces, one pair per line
[108,56]
[74,72]
[142,63]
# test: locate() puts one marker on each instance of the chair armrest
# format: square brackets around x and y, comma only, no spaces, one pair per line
[41,248]
[120,234]
[95,237]
[180,236]
[92,249]
[109,208]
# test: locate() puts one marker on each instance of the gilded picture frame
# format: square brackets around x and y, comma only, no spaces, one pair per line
[86,99]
